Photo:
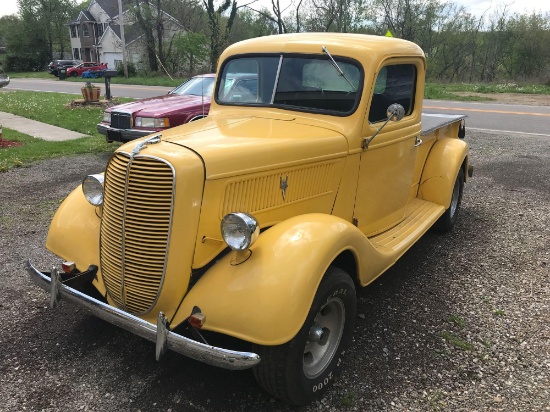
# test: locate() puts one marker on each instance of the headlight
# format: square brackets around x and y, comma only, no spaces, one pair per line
[92,186]
[107,117]
[239,230]
[152,122]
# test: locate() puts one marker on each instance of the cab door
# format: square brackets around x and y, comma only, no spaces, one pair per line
[387,165]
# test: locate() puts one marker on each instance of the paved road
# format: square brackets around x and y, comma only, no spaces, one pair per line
[71,87]
[481,116]
[509,118]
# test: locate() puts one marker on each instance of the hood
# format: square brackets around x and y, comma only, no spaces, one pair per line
[156,106]
[231,146]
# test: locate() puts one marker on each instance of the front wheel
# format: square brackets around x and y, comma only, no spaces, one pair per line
[448,219]
[74,74]
[300,370]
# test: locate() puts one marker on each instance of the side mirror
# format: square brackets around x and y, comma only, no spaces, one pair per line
[395,113]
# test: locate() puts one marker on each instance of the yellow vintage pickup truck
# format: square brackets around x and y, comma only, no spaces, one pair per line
[260,221]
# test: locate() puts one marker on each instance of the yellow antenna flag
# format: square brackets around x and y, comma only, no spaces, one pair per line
[388,34]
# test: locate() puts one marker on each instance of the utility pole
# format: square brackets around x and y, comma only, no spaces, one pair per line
[121,22]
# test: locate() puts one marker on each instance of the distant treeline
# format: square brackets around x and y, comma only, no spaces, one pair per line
[460,47]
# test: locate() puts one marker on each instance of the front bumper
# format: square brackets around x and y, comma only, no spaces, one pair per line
[121,135]
[164,338]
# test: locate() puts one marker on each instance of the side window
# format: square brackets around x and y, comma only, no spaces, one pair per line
[394,84]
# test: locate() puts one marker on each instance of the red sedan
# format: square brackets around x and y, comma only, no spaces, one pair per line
[188,102]
[82,67]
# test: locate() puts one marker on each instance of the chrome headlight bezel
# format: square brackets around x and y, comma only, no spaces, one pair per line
[107,117]
[239,230]
[92,187]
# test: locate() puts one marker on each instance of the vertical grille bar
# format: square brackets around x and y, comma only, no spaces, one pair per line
[135,229]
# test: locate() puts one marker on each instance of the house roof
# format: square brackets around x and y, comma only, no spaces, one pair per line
[111,6]
[82,15]
[131,32]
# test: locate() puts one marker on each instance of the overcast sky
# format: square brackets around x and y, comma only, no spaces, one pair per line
[476,7]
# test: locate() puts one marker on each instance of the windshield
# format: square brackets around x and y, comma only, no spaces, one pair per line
[198,86]
[309,83]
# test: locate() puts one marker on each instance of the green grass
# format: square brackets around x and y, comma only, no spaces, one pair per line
[457,320]
[52,108]
[49,108]
[348,399]
[34,149]
[439,91]
[456,342]
[30,75]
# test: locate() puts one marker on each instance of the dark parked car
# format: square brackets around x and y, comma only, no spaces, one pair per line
[188,102]
[56,64]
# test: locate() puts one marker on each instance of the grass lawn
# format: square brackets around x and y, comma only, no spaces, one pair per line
[51,108]
[438,91]
[33,149]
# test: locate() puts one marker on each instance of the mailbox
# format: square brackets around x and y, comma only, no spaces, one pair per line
[107,74]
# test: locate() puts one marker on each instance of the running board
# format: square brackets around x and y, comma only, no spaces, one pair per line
[420,215]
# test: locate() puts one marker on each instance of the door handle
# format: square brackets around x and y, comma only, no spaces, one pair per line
[417,141]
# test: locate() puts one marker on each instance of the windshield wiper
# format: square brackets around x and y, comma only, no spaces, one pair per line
[338,68]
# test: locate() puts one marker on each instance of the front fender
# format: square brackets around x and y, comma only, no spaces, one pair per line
[74,231]
[446,157]
[266,299]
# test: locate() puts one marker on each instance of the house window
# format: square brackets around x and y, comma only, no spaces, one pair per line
[76,54]
[85,31]
[74,32]
[99,30]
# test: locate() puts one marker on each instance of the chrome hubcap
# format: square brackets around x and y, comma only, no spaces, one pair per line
[324,337]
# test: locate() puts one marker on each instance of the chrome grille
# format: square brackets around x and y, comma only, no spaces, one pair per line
[135,229]
[121,120]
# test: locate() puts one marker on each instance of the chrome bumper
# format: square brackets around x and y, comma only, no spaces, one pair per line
[121,135]
[164,338]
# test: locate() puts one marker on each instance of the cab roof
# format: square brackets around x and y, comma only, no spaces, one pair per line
[358,46]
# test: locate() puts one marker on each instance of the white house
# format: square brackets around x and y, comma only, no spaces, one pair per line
[96,36]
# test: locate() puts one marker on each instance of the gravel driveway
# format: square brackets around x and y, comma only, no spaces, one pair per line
[460,323]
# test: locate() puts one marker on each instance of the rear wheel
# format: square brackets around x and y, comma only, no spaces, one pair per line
[448,219]
[300,370]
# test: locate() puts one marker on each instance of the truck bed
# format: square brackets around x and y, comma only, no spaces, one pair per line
[431,122]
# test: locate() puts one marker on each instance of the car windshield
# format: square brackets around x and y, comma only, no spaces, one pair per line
[198,86]
[304,83]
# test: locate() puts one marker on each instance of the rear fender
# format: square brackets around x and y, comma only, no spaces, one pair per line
[446,157]
[266,299]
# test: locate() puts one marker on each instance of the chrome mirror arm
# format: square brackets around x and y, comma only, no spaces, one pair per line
[395,112]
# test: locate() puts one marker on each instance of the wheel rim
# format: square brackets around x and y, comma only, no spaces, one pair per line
[454,200]
[324,337]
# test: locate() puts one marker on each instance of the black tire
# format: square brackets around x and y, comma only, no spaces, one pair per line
[300,370]
[74,74]
[448,219]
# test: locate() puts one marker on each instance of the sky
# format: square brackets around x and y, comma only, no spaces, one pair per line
[476,7]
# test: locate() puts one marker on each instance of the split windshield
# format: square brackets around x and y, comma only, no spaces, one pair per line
[309,83]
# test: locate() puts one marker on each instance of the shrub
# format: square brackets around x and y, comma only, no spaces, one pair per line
[131,69]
